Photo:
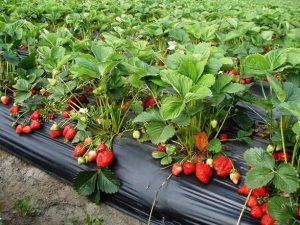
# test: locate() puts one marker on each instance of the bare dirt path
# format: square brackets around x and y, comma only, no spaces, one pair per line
[54,203]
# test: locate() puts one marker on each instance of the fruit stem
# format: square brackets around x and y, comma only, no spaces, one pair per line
[243,209]
[156,196]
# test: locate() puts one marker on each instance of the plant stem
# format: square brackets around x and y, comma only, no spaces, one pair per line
[282,138]
[220,128]
[263,90]
[243,209]
[295,150]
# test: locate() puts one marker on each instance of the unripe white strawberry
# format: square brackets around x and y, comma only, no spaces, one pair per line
[209,162]
[136,134]
[235,177]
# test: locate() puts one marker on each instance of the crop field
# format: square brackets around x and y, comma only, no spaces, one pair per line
[208,91]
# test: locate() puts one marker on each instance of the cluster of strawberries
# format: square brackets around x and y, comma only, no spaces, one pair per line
[233,72]
[203,171]
[85,153]
[35,121]
[258,204]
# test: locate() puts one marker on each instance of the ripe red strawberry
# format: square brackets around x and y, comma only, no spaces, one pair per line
[5,100]
[27,129]
[55,133]
[256,212]
[14,110]
[252,201]
[249,80]
[267,220]
[51,116]
[264,207]
[203,172]
[105,159]
[35,115]
[19,129]
[66,113]
[125,106]
[223,166]
[280,156]
[88,141]
[79,150]
[233,72]
[149,102]
[35,124]
[299,209]
[92,155]
[34,91]
[66,129]
[223,137]
[242,81]
[244,190]
[176,169]
[88,89]
[260,192]
[275,155]
[70,134]
[161,148]
[235,177]
[102,147]
[188,168]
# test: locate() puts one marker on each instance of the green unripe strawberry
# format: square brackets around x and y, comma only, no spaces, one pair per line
[214,123]
[270,148]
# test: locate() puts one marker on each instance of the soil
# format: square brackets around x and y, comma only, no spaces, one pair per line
[52,202]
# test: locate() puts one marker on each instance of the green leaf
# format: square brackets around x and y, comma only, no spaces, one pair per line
[158,155]
[85,182]
[151,115]
[27,62]
[102,53]
[258,157]
[107,181]
[296,128]
[81,126]
[180,83]
[166,160]
[171,107]
[197,93]
[286,179]
[207,80]
[276,58]
[170,149]
[79,137]
[293,56]
[222,81]
[232,88]
[283,210]
[179,35]
[277,87]
[22,96]
[159,132]
[10,57]
[256,65]
[22,85]
[243,121]
[191,67]
[259,177]
[214,145]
